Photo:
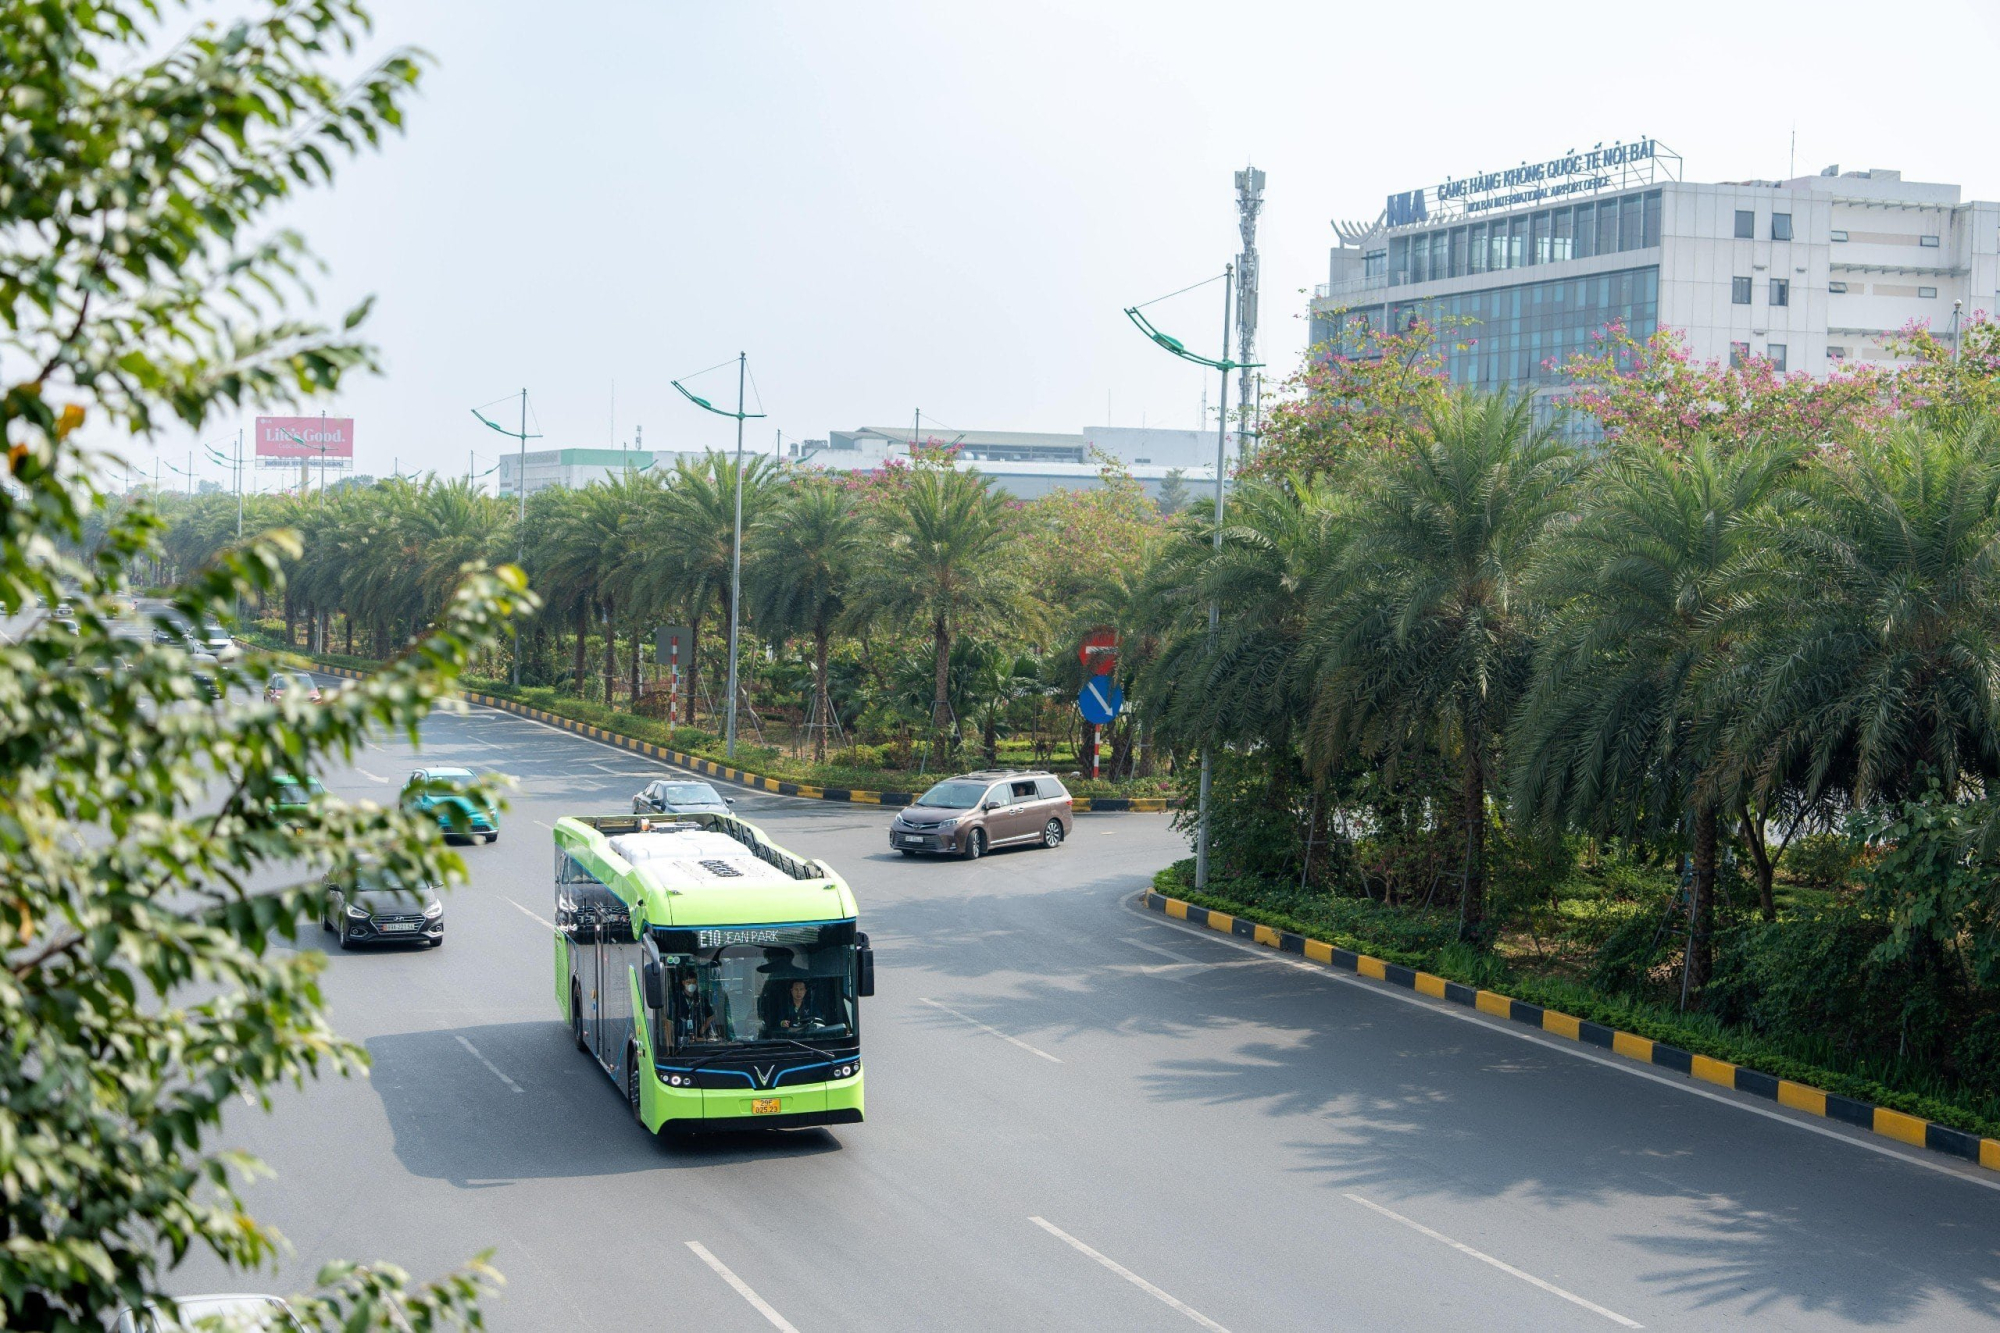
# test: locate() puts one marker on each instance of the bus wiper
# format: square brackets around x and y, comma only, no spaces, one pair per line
[788,1041]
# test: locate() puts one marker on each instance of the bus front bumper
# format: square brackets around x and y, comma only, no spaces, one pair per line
[715,1110]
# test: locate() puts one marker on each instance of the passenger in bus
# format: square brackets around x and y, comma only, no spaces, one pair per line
[697,1014]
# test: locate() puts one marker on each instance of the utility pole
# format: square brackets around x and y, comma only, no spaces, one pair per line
[1249,201]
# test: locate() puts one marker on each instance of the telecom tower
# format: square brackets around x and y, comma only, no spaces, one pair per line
[1249,201]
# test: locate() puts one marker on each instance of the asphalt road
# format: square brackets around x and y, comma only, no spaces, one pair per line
[1081,1116]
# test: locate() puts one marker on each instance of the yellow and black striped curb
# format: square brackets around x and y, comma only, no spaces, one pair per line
[1910,1129]
[853,795]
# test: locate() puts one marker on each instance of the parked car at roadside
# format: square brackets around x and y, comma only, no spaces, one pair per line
[458,815]
[974,812]
[668,797]
[283,683]
[371,910]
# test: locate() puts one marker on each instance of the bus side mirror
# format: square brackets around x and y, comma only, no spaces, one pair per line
[864,967]
[654,978]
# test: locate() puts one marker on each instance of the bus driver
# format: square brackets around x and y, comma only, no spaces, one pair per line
[795,1011]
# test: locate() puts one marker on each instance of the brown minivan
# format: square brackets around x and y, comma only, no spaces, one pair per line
[966,815]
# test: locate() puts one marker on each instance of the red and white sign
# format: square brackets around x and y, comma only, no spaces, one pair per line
[306,439]
[1099,652]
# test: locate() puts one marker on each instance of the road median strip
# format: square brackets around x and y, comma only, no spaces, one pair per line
[1900,1126]
[754,781]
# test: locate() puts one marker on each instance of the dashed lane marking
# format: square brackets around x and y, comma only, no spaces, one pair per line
[742,1288]
[488,1063]
[1122,1271]
[530,915]
[1012,1041]
[1502,1265]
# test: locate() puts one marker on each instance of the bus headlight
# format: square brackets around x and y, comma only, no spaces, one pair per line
[843,1071]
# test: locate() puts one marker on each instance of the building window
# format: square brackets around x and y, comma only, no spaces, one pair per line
[1835,353]
[1739,353]
[1839,235]
[1739,291]
[1629,235]
[1928,242]
[1374,263]
[1520,335]
[1586,231]
[1836,287]
[1476,243]
[1746,224]
[1781,226]
[1607,227]
[1776,353]
[1927,293]
[1651,208]
[1781,291]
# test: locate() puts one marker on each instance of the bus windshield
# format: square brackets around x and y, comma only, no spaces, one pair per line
[743,994]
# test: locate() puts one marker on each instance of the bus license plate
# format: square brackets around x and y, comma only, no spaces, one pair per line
[765,1105]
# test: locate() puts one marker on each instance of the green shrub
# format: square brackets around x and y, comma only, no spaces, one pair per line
[1822,860]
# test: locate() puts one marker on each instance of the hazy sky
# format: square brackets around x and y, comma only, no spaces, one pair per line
[892,205]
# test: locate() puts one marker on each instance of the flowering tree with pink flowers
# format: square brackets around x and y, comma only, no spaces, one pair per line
[1656,390]
[1949,373]
[1359,394]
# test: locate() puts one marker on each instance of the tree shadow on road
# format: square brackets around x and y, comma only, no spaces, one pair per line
[1404,1103]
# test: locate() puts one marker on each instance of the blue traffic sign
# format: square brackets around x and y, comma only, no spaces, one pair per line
[1100,700]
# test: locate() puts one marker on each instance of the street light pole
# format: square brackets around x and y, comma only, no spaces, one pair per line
[736,537]
[736,562]
[1214,608]
[1225,365]
[521,495]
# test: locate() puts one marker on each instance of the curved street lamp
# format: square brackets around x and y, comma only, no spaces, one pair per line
[736,538]
[521,495]
[1178,348]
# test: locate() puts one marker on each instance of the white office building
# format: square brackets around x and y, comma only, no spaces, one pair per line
[572,468]
[1028,464]
[1526,265]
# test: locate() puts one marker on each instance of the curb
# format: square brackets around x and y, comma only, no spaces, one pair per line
[1903,1128]
[757,782]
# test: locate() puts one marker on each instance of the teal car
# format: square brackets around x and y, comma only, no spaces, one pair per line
[294,799]
[456,814]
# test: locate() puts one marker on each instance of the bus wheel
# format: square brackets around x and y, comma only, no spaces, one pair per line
[632,1083]
[576,1017]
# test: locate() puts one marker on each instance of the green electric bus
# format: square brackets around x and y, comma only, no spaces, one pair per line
[712,974]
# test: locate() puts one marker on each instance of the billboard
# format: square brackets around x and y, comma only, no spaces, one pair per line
[286,441]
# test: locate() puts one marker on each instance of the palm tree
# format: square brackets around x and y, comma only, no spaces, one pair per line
[686,538]
[1875,667]
[1426,635]
[942,565]
[801,566]
[1253,682]
[1610,735]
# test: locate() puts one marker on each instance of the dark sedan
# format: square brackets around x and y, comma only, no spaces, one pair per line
[374,912]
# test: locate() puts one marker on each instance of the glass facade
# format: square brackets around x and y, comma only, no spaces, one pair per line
[1513,337]
[1576,231]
